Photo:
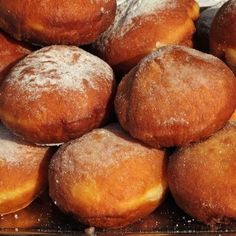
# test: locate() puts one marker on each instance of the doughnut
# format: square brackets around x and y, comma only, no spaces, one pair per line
[49,22]
[204,24]
[223,34]
[56,94]
[202,177]
[107,179]
[175,96]
[140,27]
[11,51]
[23,171]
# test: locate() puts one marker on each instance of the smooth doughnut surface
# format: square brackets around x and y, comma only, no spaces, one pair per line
[47,22]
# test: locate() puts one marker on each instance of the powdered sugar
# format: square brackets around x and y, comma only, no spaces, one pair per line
[175,121]
[197,54]
[63,68]
[208,3]
[100,149]
[162,52]
[127,11]
[15,151]
[181,72]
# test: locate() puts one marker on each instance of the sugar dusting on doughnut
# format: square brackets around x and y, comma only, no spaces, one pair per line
[166,50]
[127,11]
[23,171]
[175,96]
[107,179]
[57,94]
[180,72]
[200,173]
[14,151]
[66,69]
[92,156]
[231,7]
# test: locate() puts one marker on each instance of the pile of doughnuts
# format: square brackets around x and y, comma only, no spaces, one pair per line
[108,163]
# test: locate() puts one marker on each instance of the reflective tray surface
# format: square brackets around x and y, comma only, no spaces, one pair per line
[42,217]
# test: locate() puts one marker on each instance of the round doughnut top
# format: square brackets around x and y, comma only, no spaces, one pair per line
[230,7]
[178,72]
[56,94]
[175,96]
[142,26]
[60,68]
[101,149]
[127,11]
[220,146]
[224,25]
[200,173]
[14,151]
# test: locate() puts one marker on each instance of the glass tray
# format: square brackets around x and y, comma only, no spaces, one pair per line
[42,217]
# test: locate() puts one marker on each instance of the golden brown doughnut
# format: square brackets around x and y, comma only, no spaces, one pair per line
[176,96]
[47,22]
[140,27]
[56,94]
[202,177]
[204,24]
[223,34]
[23,171]
[11,51]
[107,179]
